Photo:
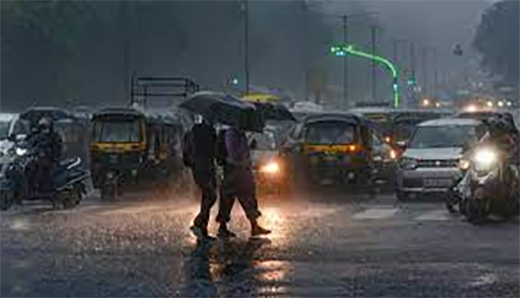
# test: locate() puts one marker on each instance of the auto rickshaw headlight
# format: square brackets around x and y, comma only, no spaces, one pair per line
[271,168]
[393,154]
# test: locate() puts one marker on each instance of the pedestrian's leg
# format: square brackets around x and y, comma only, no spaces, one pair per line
[209,197]
[206,183]
[249,202]
[227,200]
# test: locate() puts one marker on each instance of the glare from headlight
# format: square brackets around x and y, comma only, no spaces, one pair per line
[464,164]
[485,157]
[271,167]
[21,151]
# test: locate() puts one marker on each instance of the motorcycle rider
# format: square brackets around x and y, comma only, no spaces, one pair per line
[47,145]
[502,135]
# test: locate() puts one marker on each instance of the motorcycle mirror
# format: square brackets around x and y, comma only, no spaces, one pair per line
[401,144]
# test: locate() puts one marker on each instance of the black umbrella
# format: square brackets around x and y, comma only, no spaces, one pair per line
[225,109]
[274,111]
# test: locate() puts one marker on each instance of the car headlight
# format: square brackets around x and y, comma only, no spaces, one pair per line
[408,163]
[20,151]
[464,164]
[484,158]
[271,168]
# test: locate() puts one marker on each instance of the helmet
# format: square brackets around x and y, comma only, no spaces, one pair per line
[45,124]
[497,126]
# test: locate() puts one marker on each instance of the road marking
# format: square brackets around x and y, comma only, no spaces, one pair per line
[376,213]
[435,215]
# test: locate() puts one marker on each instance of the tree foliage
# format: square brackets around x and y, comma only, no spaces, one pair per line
[497,39]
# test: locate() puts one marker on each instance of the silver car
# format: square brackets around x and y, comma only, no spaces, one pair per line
[431,162]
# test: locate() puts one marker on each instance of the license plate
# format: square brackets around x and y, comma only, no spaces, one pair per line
[329,158]
[437,182]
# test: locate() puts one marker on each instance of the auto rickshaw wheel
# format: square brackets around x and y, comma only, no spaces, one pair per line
[6,200]
[73,199]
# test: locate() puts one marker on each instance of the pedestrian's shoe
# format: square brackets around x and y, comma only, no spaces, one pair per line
[223,232]
[201,233]
[259,231]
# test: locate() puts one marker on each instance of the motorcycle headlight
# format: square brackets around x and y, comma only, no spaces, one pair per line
[271,168]
[464,164]
[21,151]
[408,163]
[484,158]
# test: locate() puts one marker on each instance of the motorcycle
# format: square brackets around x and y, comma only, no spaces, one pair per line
[490,186]
[69,181]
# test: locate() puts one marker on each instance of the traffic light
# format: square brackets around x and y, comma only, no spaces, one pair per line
[410,82]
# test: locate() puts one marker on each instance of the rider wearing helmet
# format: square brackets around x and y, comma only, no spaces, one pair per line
[47,145]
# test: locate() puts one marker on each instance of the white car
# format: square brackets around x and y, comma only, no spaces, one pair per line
[431,162]
[7,130]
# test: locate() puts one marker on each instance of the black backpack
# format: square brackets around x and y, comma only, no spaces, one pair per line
[187,149]
[221,152]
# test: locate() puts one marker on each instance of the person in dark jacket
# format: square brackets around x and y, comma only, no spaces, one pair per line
[47,145]
[199,155]
[238,183]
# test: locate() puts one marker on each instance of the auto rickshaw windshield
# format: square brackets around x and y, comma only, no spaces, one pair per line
[330,133]
[117,131]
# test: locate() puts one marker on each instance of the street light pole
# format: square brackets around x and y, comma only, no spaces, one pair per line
[245,7]
[435,74]
[374,71]
[345,60]
[124,35]
[424,58]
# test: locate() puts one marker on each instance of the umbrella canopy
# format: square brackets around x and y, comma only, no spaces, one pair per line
[274,111]
[225,109]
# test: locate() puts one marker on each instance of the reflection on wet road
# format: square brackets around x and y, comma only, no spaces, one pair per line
[341,247]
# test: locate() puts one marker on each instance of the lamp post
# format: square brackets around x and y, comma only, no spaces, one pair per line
[345,18]
[344,50]
[245,10]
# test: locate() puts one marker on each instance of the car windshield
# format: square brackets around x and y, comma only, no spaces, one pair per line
[330,132]
[445,136]
[4,129]
[265,141]
[117,131]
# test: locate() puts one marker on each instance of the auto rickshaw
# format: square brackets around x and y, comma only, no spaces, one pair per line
[129,146]
[332,149]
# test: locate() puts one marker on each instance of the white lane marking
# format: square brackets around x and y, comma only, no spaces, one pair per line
[485,279]
[435,215]
[376,213]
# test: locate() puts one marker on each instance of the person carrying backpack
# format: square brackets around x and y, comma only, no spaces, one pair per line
[199,154]
[235,156]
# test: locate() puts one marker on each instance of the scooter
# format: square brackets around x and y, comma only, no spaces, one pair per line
[490,187]
[69,181]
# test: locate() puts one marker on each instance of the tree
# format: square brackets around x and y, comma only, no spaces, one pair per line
[497,40]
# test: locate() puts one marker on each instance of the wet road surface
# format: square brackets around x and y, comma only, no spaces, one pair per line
[340,246]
